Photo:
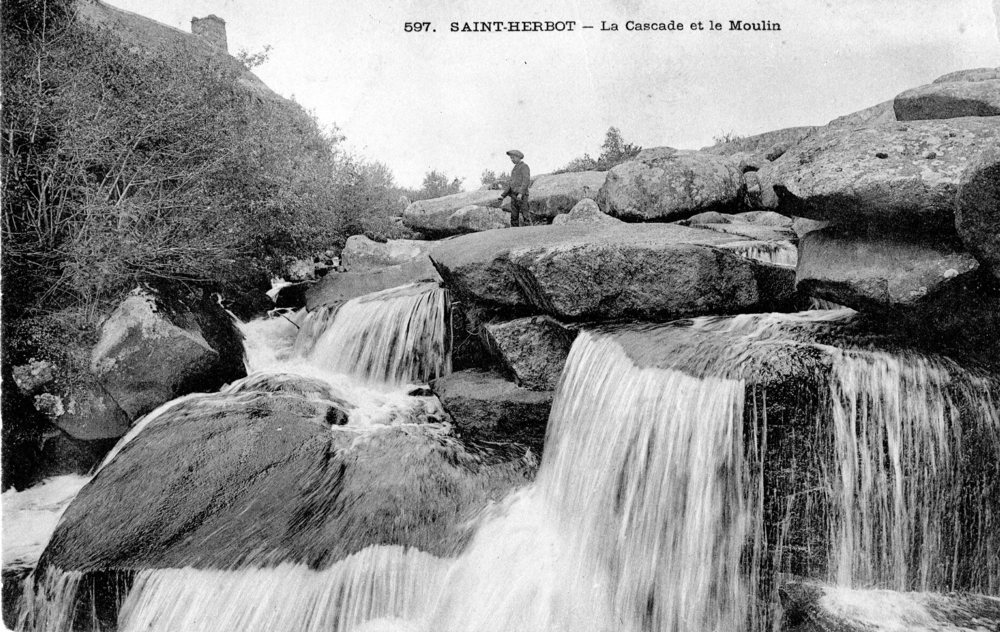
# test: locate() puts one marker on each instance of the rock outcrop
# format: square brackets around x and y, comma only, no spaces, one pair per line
[664,184]
[339,287]
[972,93]
[585,211]
[757,150]
[274,467]
[901,174]
[554,194]
[874,115]
[457,214]
[580,272]
[362,253]
[485,406]
[532,349]
[151,351]
[977,214]
[878,271]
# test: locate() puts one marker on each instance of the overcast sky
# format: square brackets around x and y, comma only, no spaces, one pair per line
[457,101]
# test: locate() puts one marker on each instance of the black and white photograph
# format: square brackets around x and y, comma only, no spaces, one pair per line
[500,316]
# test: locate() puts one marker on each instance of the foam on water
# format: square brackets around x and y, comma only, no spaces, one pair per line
[31,515]
[646,513]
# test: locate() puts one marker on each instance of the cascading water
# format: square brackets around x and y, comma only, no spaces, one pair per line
[899,471]
[648,510]
[783,253]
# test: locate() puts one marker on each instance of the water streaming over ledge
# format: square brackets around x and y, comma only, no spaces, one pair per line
[646,513]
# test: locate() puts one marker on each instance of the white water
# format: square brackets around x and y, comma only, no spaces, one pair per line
[783,253]
[645,513]
[896,468]
[30,516]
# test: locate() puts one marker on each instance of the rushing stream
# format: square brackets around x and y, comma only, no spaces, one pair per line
[647,512]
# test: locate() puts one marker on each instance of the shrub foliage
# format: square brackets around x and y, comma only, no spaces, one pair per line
[122,165]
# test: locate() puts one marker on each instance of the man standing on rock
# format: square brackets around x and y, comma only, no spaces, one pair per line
[517,189]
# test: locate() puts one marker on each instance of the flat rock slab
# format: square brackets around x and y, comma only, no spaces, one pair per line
[949,99]
[977,214]
[874,115]
[760,149]
[533,349]
[664,184]
[862,271]
[362,253]
[553,194]
[812,607]
[339,287]
[579,272]
[489,407]
[903,174]
[457,214]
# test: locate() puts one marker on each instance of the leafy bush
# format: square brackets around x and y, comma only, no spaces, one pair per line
[122,165]
[490,180]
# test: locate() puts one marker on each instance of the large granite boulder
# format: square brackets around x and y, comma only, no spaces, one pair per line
[664,184]
[878,271]
[554,194]
[362,253]
[485,406]
[532,349]
[975,93]
[581,272]
[977,214]
[585,211]
[813,607]
[268,477]
[902,174]
[456,214]
[339,287]
[153,349]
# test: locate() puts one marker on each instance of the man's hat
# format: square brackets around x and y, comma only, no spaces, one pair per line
[515,153]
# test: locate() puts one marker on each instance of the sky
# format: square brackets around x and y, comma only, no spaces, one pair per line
[456,102]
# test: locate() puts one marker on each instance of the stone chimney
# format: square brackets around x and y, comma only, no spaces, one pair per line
[212,29]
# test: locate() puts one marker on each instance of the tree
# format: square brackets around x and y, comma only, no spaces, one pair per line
[490,180]
[435,185]
[614,151]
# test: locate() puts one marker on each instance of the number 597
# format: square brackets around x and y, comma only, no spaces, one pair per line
[416,27]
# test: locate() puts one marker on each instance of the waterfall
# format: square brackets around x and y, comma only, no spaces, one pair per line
[649,509]
[783,253]
[394,336]
[899,470]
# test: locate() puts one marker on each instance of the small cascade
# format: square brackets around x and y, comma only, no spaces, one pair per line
[899,470]
[394,336]
[782,253]
[384,582]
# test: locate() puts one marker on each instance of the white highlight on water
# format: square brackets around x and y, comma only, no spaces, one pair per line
[30,516]
[783,253]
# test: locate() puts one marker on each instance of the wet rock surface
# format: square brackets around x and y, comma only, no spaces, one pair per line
[532,349]
[268,479]
[488,407]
